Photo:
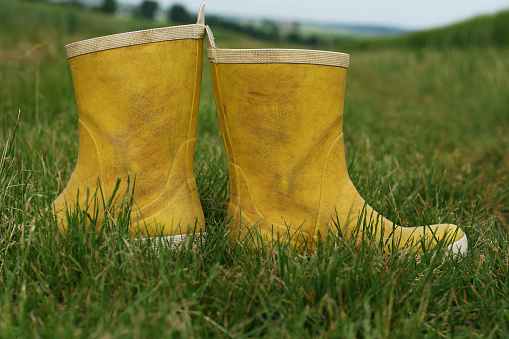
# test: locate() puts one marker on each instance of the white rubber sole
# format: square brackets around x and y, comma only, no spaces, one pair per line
[174,241]
[459,247]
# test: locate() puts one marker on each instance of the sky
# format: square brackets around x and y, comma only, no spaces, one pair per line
[409,14]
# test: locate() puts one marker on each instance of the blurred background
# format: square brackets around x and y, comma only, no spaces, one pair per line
[396,13]
[323,22]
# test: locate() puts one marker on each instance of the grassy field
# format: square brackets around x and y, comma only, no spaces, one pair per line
[427,140]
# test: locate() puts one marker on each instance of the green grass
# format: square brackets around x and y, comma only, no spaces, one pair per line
[426,134]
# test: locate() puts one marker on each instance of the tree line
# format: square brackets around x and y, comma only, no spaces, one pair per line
[267,30]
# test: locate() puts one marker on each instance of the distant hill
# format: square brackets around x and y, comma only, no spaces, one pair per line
[488,30]
[484,30]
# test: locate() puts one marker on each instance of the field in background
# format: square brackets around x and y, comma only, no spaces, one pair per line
[426,132]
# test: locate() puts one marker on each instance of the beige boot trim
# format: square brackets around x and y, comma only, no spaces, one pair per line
[273,55]
[135,38]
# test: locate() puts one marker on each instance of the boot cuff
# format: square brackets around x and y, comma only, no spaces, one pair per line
[194,31]
[273,55]
[276,55]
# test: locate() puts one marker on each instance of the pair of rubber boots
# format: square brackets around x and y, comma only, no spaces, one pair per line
[281,115]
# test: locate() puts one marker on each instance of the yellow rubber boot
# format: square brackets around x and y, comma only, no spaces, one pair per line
[281,115]
[137,95]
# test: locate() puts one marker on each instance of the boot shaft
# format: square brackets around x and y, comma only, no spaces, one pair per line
[137,95]
[280,112]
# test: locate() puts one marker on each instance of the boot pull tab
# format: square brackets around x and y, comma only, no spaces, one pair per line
[201,15]
[211,48]
[210,37]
